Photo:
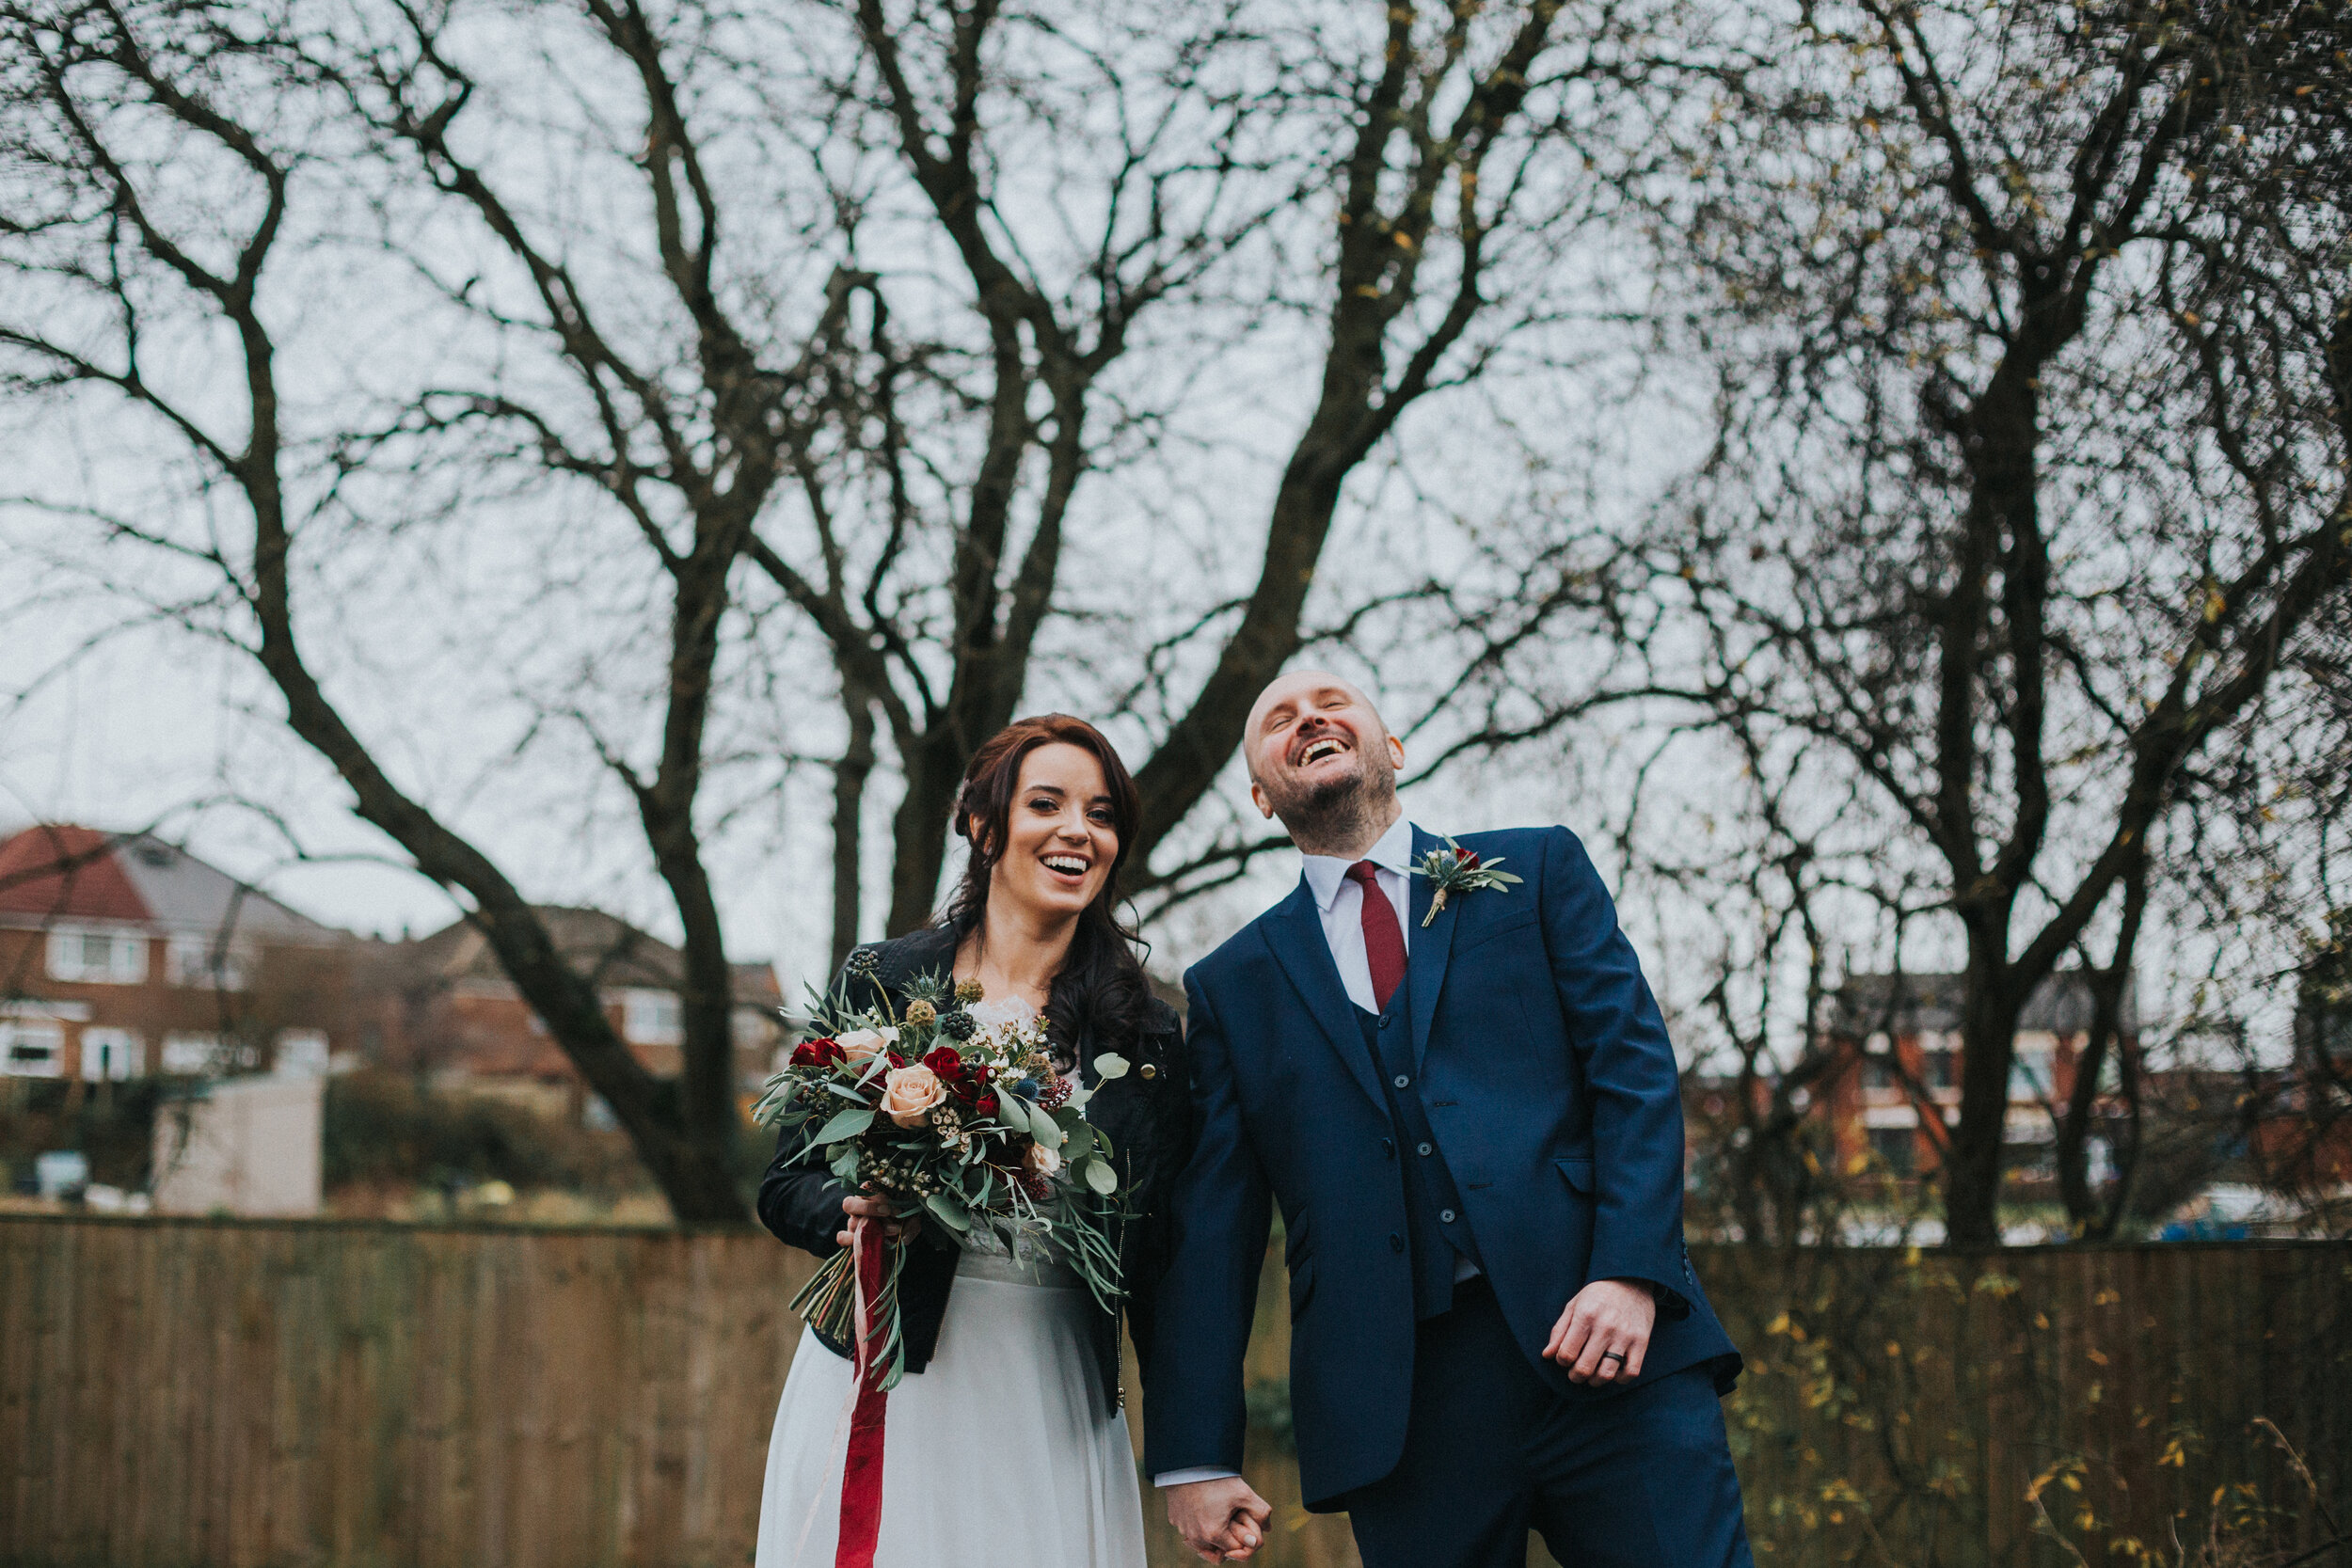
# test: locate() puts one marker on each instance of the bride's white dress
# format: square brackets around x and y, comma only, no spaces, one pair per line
[1001,1453]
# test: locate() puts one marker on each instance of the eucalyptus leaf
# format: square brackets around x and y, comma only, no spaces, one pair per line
[1109,1065]
[846,1124]
[950,1213]
[1045,1129]
[1101,1177]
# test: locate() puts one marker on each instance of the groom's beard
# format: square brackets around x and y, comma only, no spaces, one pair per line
[1333,818]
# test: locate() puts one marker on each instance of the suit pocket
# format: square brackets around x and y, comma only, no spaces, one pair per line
[1302,1286]
[1578,1174]
[1517,920]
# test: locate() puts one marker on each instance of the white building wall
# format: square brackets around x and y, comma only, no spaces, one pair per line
[251,1146]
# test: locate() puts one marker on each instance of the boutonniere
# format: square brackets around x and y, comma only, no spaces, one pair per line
[1455,869]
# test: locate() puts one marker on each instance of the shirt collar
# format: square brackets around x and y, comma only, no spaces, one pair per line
[1394,852]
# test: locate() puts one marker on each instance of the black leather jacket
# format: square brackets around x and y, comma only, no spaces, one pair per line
[1147,1116]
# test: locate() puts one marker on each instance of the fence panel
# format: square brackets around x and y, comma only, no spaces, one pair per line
[217,1394]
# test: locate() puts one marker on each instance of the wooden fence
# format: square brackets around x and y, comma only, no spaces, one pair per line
[201,1394]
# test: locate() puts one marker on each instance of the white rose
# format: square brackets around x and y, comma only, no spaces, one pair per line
[1041,1161]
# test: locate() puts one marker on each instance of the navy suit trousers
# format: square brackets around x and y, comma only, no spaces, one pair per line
[1637,1479]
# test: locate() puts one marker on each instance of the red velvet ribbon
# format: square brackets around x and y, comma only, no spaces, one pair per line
[861,1467]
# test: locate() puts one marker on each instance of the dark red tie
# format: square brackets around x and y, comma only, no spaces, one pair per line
[1384,939]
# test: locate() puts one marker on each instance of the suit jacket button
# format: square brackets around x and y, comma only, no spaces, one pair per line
[1445,1216]
[1396,1243]
[1387,1149]
[1403,1081]
[1149,1072]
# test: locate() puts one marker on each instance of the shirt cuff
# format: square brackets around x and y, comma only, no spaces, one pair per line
[1201,1472]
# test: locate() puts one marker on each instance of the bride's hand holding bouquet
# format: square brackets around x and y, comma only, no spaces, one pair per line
[949,1108]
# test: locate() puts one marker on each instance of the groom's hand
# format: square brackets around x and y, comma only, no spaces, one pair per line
[1224,1520]
[1608,1315]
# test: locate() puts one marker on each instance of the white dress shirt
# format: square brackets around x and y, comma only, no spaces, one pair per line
[1340,900]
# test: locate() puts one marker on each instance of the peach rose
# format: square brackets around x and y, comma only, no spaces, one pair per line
[909,1092]
[1041,1161]
[863,1045]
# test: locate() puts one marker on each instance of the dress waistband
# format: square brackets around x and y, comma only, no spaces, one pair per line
[1002,1270]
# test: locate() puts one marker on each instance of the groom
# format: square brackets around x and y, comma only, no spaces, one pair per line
[1471,1123]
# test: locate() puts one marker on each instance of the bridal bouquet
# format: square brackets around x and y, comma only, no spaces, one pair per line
[951,1108]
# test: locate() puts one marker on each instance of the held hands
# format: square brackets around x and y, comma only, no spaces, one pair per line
[878,1211]
[1608,1315]
[1223,1520]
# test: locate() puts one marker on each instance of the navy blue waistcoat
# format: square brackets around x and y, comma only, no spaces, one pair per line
[1437,1226]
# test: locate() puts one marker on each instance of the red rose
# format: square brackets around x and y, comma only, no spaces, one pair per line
[985,1105]
[817,1052]
[979,1073]
[945,1062]
[1468,858]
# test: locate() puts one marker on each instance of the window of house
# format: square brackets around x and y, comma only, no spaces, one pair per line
[111,1055]
[1897,1149]
[1878,1073]
[1939,1067]
[32,1050]
[195,960]
[651,1017]
[97,958]
[190,1052]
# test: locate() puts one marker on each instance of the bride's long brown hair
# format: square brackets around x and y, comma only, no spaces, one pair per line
[1100,989]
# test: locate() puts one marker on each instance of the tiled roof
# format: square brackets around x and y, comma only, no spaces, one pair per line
[2061,1004]
[604,947]
[62,871]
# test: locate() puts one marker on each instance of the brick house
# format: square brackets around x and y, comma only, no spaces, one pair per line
[123,956]
[441,1006]
[1900,1044]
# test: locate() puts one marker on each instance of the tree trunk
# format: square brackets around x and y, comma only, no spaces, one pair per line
[848,804]
[1990,1007]
[918,832]
[2110,987]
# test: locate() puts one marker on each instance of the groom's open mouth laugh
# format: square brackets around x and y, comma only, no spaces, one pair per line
[1317,748]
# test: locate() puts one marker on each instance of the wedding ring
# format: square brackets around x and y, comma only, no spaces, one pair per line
[1612,1356]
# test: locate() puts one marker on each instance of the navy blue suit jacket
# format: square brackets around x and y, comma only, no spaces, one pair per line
[1545,1066]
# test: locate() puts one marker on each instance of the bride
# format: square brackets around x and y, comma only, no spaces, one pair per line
[1007,1441]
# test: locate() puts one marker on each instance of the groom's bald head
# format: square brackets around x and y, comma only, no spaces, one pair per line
[1320,757]
[1293,693]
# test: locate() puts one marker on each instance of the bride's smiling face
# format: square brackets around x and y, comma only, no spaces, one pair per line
[1059,843]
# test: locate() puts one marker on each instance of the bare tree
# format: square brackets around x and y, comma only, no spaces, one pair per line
[2029,498]
[107,107]
[1402,179]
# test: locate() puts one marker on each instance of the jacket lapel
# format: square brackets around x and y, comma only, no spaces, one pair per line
[1424,968]
[1294,931]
